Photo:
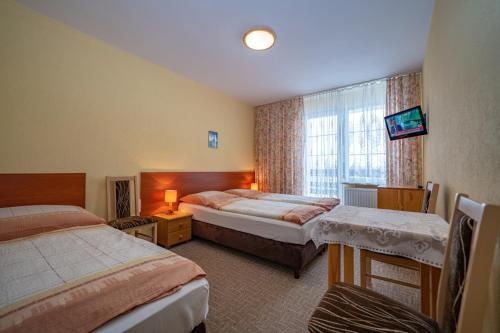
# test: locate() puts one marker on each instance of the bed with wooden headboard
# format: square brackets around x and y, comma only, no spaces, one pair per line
[22,189]
[190,299]
[153,184]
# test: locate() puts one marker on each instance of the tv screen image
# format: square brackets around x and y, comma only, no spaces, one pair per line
[405,124]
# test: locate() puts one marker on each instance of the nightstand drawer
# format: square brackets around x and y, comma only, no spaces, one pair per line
[179,236]
[179,224]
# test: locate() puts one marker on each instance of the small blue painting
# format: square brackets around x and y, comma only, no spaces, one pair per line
[213,139]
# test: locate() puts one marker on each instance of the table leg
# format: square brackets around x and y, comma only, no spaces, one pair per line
[425,289]
[155,233]
[333,264]
[364,263]
[435,275]
[348,264]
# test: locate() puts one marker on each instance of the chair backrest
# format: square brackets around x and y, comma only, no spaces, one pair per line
[430,198]
[463,287]
[121,197]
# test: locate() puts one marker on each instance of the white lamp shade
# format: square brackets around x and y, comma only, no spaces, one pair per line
[170,196]
[254,186]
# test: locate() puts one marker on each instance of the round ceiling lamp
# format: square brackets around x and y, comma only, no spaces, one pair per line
[259,39]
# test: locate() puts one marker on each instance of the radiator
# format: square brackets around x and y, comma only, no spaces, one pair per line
[360,197]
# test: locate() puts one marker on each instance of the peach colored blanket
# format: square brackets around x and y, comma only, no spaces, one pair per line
[326,203]
[34,220]
[84,303]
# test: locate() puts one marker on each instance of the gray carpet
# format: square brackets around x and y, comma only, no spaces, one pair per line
[248,294]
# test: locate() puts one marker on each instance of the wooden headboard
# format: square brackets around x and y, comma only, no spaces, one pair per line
[153,185]
[21,189]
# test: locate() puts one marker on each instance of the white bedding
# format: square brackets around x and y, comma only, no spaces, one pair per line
[326,203]
[258,226]
[259,208]
[35,264]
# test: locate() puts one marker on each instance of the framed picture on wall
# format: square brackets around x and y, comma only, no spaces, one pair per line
[213,139]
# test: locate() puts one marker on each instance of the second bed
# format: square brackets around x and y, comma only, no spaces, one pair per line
[254,227]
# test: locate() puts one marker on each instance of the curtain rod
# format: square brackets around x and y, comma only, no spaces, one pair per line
[360,84]
[345,87]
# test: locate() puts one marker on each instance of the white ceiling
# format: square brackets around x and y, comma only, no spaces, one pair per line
[321,44]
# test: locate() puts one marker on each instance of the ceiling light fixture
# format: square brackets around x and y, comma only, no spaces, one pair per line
[259,39]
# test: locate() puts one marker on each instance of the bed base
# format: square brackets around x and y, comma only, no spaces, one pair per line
[294,256]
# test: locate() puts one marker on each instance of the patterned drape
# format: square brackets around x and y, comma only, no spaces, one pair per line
[404,157]
[279,146]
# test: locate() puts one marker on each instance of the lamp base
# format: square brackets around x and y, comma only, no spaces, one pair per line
[170,209]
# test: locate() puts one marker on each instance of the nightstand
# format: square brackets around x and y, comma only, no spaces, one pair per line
[174,228]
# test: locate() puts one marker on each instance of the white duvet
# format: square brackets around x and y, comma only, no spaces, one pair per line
[261,208]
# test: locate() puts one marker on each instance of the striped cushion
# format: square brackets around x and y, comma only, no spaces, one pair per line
[130,222]
[347,308]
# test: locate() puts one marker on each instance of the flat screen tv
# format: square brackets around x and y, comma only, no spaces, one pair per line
[405,124]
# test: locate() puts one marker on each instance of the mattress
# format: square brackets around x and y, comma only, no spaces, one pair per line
[180,312]
[263,227]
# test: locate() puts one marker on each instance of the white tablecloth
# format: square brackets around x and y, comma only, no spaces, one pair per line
[417,236]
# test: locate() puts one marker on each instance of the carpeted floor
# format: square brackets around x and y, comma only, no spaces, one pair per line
[248,294]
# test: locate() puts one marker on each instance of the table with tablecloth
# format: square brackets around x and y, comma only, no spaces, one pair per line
[417,236]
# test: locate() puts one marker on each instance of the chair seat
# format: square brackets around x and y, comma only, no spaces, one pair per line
[131,222]
[347,308]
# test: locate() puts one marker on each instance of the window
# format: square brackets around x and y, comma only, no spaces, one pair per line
[345,138]
[322,156]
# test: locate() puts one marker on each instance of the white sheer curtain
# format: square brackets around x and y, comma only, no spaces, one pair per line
[345,138]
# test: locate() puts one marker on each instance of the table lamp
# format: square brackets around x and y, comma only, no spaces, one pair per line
[254,186]
[170,198]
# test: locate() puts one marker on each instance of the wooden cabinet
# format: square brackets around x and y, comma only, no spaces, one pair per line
[173,229]
[400,198]
[387,198]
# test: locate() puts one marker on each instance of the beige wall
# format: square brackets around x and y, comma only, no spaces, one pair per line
[462,97]
[71,103]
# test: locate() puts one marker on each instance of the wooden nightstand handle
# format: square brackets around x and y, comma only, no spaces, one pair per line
[180,236]
[180,225]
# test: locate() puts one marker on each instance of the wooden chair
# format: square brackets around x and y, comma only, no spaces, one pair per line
[430,198]
[121,195]
[123,209]
[366,258]
[463,287]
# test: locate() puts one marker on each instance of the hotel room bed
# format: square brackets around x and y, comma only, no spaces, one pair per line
[62,269]
[281,242]
[259,226]
[48,268]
